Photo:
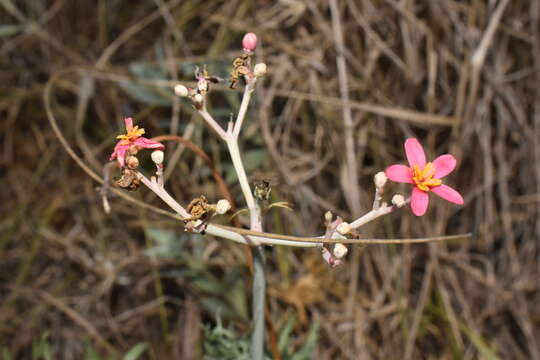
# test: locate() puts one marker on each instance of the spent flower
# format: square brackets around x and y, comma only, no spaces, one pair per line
[132,140]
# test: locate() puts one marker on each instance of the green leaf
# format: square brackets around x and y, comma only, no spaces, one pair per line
[479,342]
[91,353]
[147,94]
[41,349]
[135,352]
[168,244]
[306,352]
[283,341]
[6,354]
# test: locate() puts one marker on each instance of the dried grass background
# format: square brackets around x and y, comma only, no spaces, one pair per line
[462,76]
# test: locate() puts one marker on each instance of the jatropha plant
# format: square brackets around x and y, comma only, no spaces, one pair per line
[425,177]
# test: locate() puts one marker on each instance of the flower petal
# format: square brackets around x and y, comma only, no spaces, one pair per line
[449,194]
[419,201]
[148,144]
[129,123]
[119,154]
[444,165]
[415,153]
[399,173]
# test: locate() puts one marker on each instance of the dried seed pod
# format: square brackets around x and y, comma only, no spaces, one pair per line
[129,180]
[262,190]
[132,162]
[199,208]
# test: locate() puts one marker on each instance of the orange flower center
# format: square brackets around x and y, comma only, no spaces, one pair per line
[423,179]
[132,134]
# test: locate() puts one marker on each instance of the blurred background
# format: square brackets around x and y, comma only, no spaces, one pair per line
[461,76]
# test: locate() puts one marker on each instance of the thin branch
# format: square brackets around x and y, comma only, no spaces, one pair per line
[243,107]
[213,124]
[352,194]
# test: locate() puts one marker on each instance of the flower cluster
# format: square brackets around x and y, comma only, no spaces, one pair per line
[425,177]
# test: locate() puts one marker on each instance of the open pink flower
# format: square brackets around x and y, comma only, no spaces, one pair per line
[424,176]
[133,137]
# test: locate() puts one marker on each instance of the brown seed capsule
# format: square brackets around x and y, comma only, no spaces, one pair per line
[199,208]
[132,162]
[129,180]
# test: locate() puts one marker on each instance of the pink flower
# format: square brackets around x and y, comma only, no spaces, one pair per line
[424,176]
[133,138]
[249,42]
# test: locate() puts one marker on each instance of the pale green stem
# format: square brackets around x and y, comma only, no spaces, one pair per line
[243,107]
[213,124]
[254,214]
[257,307]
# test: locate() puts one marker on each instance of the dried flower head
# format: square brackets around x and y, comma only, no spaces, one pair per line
[199,208]
[132,162]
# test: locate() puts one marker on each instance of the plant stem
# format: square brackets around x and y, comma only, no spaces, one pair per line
[254,214]
[259,297]
[243,107]
[352,193]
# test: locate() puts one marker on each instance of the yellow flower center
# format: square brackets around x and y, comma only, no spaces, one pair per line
[131,134]
[423,179]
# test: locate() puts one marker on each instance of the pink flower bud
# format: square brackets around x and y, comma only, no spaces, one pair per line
[249,42]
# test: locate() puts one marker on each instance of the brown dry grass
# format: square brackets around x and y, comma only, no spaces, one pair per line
[462,76]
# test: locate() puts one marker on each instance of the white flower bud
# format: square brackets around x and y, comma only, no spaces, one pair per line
[344,228]
[223,206]
[157,157]
[259,70]
[398,200]
[328,216]
[181,90]
[198,98]
[202,85]
[380,179]
[340,250]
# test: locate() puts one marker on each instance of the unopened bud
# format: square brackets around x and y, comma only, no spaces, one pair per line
[202,85]
[344,228]
[181,90]
[249,42]
[398,200]
[223,206]
[132,162]
[328,216]
[340,250]
[380,179]
[157,157]
[259,70]
[198,98]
